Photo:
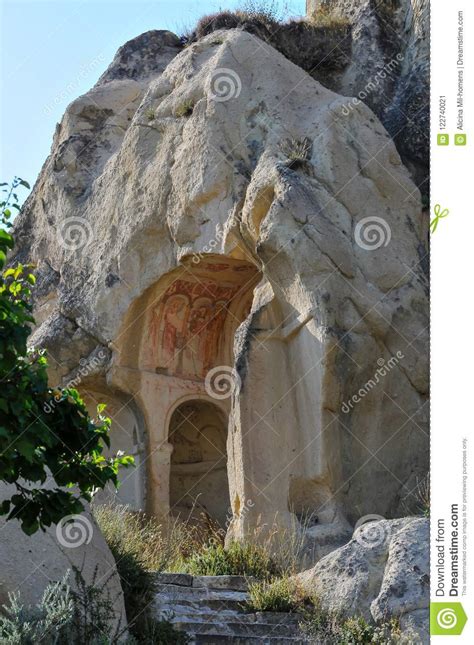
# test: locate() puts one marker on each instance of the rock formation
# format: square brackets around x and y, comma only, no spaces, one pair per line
[382,573]
[389,70]
[220,212]
[29,563]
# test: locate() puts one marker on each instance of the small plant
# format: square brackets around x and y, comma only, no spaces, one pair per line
[83,615]
[297,151]
[237,559]
[324,17]
[20,625]
[185,108]
[150,114]
[279,594]
[418,500]
[265,10]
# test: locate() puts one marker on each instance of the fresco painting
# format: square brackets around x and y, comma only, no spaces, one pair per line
[186,328]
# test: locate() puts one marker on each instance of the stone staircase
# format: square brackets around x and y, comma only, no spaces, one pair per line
[209,609]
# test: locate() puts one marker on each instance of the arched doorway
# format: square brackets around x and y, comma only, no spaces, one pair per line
[198,474]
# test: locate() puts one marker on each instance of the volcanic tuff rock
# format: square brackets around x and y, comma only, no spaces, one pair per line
[29,563]
[389,69]
[383,572]
[161,175]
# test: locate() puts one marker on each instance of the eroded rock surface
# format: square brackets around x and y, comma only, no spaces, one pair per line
[383,572]
[29,563]
[389,70]
[215,214]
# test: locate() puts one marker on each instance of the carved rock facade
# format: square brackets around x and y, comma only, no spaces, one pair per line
[210,215]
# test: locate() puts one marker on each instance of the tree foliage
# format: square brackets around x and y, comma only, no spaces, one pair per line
[44,432]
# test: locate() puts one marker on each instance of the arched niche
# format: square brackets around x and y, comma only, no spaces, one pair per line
[185,324]
[126,436]
[199,485]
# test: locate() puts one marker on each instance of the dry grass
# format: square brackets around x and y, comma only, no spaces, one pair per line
[319,45]
[159,545]
[279,594]
[418,501]
[323,17]
[185,108]
[176,546]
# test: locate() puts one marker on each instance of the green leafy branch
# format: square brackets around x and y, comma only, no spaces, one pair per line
[38,441]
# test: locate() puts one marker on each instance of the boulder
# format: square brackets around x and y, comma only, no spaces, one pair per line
[29,563]
[383,572]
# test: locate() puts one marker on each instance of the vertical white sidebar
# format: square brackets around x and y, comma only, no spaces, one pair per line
[452,312]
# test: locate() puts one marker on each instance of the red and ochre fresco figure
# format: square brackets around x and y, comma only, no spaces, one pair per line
[186,329]
[168,331]
[199,319]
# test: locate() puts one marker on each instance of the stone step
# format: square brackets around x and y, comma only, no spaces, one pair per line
[183,613]
[210,639]
[181,579]
[198,593]
[211,609]
[228,583]
[214,604]
[237,628]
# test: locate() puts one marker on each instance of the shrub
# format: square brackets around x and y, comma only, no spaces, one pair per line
[320,626]
[40,624]
[237,559]
[267,10]
[417,502]
[160,545]
[324,17]
[280,594]
[83,615]
[259,18]
[131,540]
[93,616]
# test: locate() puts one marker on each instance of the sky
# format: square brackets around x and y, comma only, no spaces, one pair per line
[52,52]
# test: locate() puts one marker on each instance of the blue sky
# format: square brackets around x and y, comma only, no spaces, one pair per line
[55,51]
